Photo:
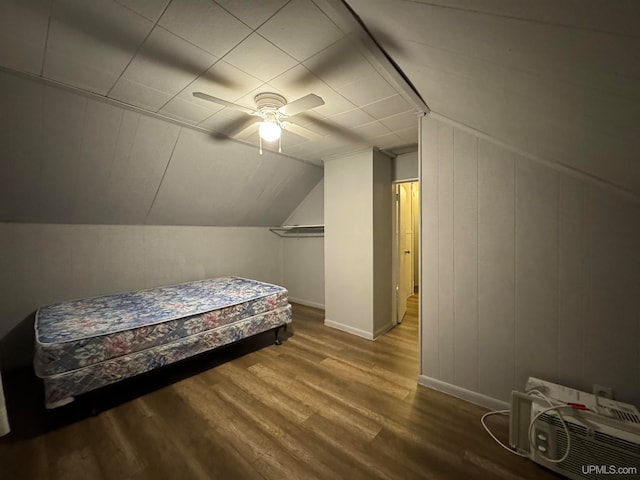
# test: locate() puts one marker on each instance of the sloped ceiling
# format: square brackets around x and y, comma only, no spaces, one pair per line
[155,54]
[559,79]
[67,158]
[98,123]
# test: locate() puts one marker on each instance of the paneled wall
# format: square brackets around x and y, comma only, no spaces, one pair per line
[68,158]
[527,271]
[43,263]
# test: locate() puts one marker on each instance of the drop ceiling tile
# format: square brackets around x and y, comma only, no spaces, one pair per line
[260,58]
[94,38]
[339,64]
[290,139]
[391,140]
[87,77]
[409,135]
[351,119]
[205,24]
[151,9]
[23,32]
[401,121]
[299,81]
[224,120]
[253,14]
[314,121]
[167,63]
[224,81]
[371,130]
[133,93]
[300,29]
[387,107]
[296,82]
[186,111]
[364,91]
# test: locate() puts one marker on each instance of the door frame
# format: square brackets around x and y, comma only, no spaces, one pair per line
[395,243]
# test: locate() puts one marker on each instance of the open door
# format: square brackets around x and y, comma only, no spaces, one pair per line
[403,248]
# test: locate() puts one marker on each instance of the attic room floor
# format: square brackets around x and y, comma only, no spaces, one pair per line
[324,404]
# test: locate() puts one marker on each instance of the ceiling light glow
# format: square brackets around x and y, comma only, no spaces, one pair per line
[269,131]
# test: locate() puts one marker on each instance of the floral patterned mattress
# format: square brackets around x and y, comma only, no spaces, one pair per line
[61,388]
[75,334]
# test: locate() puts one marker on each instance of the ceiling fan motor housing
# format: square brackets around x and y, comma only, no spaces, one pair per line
[269,101]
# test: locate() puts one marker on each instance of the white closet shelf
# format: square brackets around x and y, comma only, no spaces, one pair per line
[299,231]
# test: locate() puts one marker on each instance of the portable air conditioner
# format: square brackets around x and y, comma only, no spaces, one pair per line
[604,434]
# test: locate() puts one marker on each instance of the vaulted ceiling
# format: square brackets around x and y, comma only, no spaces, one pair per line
[98,123]
[557,79]
[155,54]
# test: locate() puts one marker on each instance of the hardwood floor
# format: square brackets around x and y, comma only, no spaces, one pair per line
[324,404]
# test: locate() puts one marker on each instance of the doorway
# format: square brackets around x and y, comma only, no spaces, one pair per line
[405,246]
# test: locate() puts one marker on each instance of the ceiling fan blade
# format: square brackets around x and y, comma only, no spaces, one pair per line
[301,131]
[224,103]
[300,105]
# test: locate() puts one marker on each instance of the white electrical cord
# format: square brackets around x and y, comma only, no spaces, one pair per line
[506,447]
[557,408]
[564,425]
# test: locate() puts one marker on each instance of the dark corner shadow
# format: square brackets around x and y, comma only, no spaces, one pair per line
[24,392]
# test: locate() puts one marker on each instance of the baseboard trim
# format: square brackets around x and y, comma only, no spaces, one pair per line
[383,330]
[307,303]
[348,329]
[462,393]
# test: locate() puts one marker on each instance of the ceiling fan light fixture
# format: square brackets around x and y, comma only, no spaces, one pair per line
[269,130]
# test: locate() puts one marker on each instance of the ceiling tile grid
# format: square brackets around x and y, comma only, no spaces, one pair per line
[139,95]
[149,9]
[300,29]
[205,24]
[154,54]
[23,33]
[167,63]
[90,43]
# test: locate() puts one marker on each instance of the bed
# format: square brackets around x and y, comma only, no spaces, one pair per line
[85,344]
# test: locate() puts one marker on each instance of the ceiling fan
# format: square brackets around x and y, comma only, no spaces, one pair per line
[273,114]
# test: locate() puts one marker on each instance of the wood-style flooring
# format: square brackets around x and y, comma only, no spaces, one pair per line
[324,404]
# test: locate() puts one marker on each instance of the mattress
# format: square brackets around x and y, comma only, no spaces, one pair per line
[79,333]
[59,388]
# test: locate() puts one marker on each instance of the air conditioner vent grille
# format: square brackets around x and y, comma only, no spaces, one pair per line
[625,416]
[555,421]
[632,447]
[585,451]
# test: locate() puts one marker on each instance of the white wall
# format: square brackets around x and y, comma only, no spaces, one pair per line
[303,258]
[348,246]
[405,167]
[415,220]
[383,318]
[357,198]
[43,263]
[310,211]
[527,270]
